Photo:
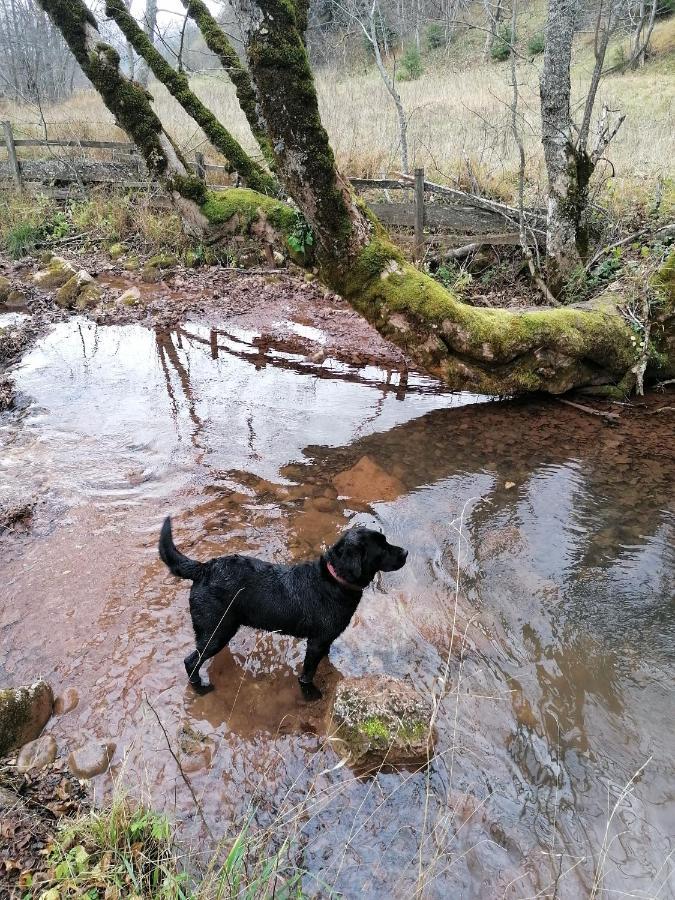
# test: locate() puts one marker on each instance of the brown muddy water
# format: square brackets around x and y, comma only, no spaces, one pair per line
[554,767]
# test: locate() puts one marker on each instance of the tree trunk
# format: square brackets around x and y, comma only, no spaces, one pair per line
[492,351]
[217,42]
[568,170]
[149,26]
[129,103]
[179,87]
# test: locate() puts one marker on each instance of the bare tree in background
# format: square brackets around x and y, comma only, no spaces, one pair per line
[35,64]
[150,28]
[369,18]
[570,162]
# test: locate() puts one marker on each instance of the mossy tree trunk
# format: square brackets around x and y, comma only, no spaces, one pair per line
[129,103]
[492,351]
[179,87]
[217,42]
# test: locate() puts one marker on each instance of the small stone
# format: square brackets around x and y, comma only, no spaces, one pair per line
[66,702]
[91,759]
[151,274]
[57,273]
[499,541]
[279,258]
[163,261]
[130,297]
[131,264]
[16,298]
[117,250]
[377,720]
[37,754]
[24,712]
[509,484]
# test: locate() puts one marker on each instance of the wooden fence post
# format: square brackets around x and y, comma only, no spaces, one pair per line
[14,166]
[419,214]
[200,167]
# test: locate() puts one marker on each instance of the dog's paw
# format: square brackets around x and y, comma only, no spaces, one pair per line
[202,688]
[310,691]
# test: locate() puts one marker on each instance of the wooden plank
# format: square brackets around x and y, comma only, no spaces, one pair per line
[464,219]
[14,166]
[383,184]
[96,145]
[419,214]
[501,209]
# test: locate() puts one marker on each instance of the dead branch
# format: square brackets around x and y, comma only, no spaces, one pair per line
[609,416]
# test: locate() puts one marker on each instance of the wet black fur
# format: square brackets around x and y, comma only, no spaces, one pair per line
[302,600]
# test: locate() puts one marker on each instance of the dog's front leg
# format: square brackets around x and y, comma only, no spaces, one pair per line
[316,650]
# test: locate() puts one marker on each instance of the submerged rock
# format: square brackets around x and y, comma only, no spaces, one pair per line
[24,712]
[91,759]
[57,273]
[15,509]
[151,274]
[368,482]
[66,702]
[381,722]
[7,393]
[37,754]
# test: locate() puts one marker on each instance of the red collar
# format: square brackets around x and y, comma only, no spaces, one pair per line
[341,581]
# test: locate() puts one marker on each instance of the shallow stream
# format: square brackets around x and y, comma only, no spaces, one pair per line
[554,772]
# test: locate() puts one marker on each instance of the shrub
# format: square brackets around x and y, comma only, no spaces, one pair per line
[411,65]
[436,36]
[618,58]
[536,44]
[501,49]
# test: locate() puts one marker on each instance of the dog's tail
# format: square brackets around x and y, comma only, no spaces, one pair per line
[180,565]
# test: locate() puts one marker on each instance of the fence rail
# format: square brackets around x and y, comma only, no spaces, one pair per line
[433,206]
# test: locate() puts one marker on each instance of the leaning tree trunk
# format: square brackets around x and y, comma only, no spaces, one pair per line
[494,351]
[217,42]
[179,87]
[130,104]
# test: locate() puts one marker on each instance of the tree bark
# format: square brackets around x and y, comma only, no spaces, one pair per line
[129,103]
[217,42]
[568,175]
[179,87]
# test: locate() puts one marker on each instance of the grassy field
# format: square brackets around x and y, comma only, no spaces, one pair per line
[458,118]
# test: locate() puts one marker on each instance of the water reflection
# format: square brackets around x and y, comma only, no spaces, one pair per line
[562,648]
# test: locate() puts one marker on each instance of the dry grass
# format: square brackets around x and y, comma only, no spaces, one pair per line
[457,112]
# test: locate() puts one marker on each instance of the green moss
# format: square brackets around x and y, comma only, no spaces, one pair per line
[190,187]
[163,261]
[250,206]
[217,42]
[179,87]
[117,250]
[375,727]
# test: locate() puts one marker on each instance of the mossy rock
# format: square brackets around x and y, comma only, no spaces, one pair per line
[131,263]
[130,297]
[151,274]
[378,721]
[79,292]
[116,251]
[192,259]
[162,261]
[57,273]
[16,298]
[5,288]
[24,712]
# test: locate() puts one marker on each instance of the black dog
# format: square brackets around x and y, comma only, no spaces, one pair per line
[314,600]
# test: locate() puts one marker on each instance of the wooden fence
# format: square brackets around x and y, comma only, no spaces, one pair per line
[426,208]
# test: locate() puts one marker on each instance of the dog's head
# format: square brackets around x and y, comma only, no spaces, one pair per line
[361,553]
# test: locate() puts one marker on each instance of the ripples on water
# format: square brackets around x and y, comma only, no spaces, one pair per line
[562,657]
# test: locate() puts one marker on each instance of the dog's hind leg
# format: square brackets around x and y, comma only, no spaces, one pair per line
[207,646]
[316,650]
